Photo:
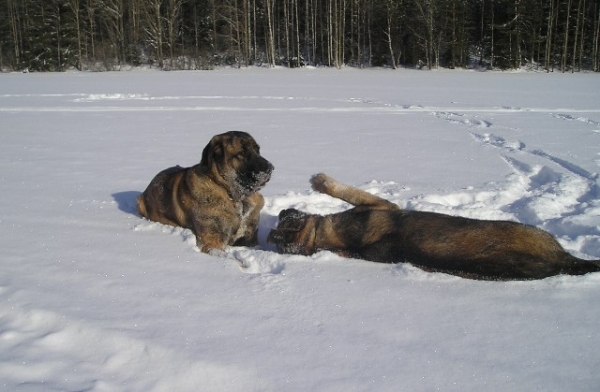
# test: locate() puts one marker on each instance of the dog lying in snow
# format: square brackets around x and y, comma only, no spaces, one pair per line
[218,198]
[378,230]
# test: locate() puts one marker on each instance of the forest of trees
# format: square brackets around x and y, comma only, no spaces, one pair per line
[56,35]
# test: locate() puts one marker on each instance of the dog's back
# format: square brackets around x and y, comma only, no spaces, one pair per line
[482,249]
[158,203]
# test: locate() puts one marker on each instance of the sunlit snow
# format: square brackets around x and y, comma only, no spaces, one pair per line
[95,298]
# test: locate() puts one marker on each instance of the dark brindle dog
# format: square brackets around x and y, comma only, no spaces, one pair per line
[218,198]
[378,230]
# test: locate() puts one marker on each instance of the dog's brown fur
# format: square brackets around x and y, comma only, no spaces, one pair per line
[378,230]
[218,198]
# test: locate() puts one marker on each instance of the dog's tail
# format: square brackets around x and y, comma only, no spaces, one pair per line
[141,206]
[582,267]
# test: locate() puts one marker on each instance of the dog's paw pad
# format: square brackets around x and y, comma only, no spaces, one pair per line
[320,182]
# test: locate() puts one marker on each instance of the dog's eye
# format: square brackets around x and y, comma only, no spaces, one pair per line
[237,158]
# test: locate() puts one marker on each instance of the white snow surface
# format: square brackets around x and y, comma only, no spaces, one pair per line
[95,298]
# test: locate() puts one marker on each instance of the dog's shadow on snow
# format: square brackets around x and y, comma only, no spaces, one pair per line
[126,201]
[266,223]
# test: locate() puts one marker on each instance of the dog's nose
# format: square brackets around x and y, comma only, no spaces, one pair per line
[265,167]
[268,166]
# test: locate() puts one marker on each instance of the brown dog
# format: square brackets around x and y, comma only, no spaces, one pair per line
[218,198]
[378,230]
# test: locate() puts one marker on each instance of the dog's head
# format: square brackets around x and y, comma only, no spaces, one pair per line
[234,159]
[295,232]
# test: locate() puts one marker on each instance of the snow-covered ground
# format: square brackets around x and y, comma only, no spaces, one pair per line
[94,298]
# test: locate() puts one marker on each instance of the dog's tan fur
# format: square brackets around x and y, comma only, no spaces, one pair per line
[218,198]
[378,230]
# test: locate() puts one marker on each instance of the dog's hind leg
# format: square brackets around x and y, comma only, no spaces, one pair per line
[357,197]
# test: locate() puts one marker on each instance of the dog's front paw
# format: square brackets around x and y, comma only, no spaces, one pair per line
[216,252]
[320,182]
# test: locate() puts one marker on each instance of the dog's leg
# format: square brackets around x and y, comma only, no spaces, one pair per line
[357,197]
[247,234]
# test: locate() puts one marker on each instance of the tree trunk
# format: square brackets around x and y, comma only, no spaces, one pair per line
[519,55]
[596,50]
[388,33]
[582,39]
[566,43]
[549,37]
[15,31]
[492,44]
[75,7]
[574,57]
[270,38]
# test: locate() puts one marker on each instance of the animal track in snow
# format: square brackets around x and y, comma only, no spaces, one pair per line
[546,194]
[186,235]
[497,141]
[458,118]
[562,203]
[567,165]
[258,261]
[555,194]
[568,117]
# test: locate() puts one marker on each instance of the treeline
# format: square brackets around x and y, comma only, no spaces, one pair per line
[55,35]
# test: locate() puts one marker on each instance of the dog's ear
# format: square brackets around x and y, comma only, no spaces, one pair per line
[206,155]
[292,220]
[293,233]
[212,151]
